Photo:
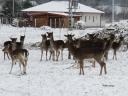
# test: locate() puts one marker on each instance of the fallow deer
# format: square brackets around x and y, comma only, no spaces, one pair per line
[45,45]
[116,46]
[56,46]
[109,41]
[18,44]
[20,55]
[93,50]
[70,38]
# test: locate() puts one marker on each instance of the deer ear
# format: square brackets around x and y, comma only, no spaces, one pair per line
[11,38]
[65,35]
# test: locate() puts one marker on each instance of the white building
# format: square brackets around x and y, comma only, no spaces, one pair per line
[91,16]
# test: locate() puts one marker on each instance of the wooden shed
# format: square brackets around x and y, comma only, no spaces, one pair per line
[52,19]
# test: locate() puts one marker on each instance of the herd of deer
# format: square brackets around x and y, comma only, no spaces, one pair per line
[80,48]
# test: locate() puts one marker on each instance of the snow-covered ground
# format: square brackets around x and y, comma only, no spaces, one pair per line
[50,78]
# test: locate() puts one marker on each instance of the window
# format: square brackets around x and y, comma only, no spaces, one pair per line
[89,17]
[93,18]
[85,19]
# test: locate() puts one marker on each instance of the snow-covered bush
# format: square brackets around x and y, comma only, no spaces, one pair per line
[80,25]
[15,22]
[46,28]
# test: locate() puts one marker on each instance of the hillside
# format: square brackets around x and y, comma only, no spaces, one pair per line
[121,7]
[95,2]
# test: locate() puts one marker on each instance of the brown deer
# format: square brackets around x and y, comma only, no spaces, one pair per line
[56,46]
[116,46]
[109,41]
[18,44]
[45,45]
[20,55]
[70,38]
[92,50]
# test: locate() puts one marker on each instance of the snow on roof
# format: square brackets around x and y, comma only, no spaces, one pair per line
[61,6]
[62,13]
[59,13]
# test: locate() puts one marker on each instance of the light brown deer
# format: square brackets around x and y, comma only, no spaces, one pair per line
[56,45]
[45,45]
[18,44]
[116,46]
[20,55]
[92,50]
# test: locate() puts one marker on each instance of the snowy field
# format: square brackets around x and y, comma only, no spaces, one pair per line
[48,78]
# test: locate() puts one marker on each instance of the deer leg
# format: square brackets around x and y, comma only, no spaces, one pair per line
[81,67]
[8,56]
[24,71]
[53,55]
[20,67]
[69,55]
[4,55]
[57,53]
[105,70]
[13,62]
[62,54]
[106,55]
[50,55]
[94,65]
[41,55]
[46,54]
[24,66]
[114,54]
[102,65]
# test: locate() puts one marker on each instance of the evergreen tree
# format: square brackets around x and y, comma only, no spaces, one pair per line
[8,8]
[27,4]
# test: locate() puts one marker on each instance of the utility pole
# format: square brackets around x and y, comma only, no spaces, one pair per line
[113,11]
[73,4]
[13,8]
[70,15]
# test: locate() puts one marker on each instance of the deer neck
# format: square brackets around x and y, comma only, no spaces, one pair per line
[71,48]
[44,40]
[110,42]
[10,50]
[52,41]
[120,41]
[13,47]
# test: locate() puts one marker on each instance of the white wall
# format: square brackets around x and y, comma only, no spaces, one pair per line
[91,20]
